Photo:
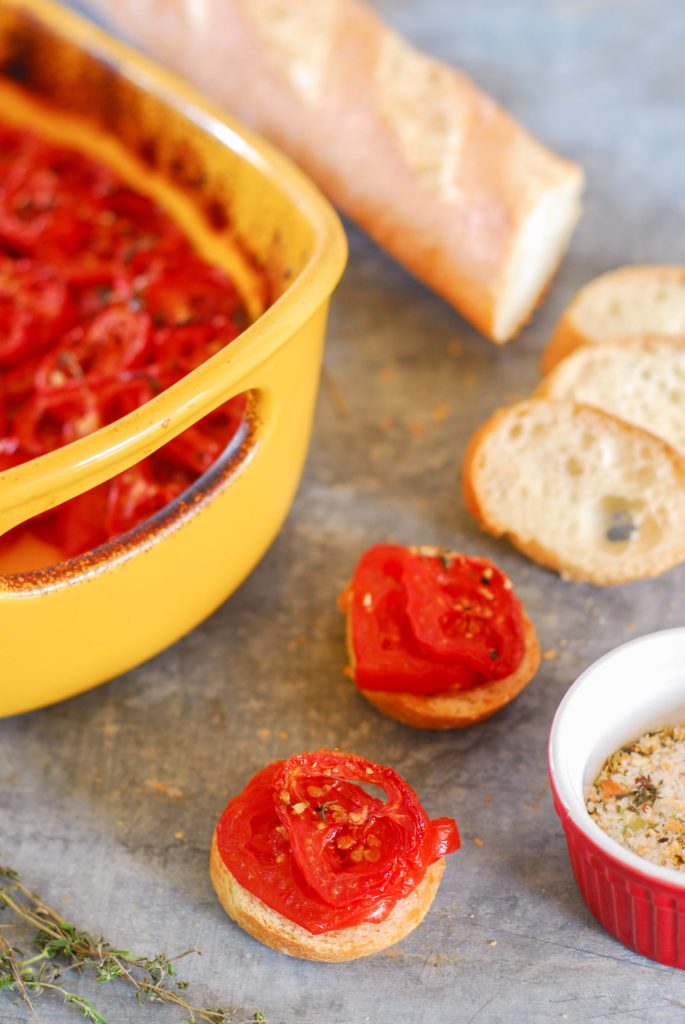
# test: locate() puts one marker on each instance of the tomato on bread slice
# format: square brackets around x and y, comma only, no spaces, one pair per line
[310,862]
[436,639]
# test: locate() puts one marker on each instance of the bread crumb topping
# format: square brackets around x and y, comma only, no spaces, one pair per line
[638,798]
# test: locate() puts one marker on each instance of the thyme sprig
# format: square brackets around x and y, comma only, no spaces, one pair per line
[61,947]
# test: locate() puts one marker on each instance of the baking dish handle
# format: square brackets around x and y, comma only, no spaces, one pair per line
[46,482]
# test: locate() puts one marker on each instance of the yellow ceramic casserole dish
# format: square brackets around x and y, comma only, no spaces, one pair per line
[76,623]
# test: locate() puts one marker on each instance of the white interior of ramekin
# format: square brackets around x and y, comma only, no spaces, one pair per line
[633,689]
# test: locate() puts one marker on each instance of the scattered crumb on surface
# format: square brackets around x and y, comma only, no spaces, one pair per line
[264,732]
[386,372]
[179,835]
[487,798]
[335,394]
[173,792]
[441,412]
[282,734]
[549,655]
[492,942]
[417,428]
[479,842]
[631,627]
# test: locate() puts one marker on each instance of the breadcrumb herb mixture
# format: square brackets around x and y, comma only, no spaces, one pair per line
[638,798]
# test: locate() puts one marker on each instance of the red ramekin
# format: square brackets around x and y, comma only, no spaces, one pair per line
[633,689]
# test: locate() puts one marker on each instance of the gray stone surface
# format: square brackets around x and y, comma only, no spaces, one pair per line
[406,381]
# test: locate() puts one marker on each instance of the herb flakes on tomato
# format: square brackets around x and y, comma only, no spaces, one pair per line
[425,621]
[308,839]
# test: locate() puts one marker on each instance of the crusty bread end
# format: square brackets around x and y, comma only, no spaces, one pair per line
[641,380]
[437,173]
[276,931]
[630,302]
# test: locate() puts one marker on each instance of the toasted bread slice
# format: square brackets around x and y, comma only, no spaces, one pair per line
[276,931]
[457,709]
[631,302]
[579,490]
[641,381]
[453,709]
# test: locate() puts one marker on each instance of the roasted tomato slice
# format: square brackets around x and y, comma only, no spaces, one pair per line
[308,839]
[133,497]
[35,308]
[197,448]
[53,419]
[116,339]
[462,609]
[190,293]
[179,349]
[79,524]
[421,623]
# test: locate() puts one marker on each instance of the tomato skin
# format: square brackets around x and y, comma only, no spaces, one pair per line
[35,305]
[134,496]
[190,293]
[312,844]
[426,623]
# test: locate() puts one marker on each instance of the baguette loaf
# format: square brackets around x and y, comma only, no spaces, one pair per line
[433,169]
[630,302]
[576,489]
[642,381]
[276,931]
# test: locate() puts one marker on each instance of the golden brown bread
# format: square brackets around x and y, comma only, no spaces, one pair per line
[276,931]
[454,709]
[430,166]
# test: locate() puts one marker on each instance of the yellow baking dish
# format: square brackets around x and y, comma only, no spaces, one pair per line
[73,624]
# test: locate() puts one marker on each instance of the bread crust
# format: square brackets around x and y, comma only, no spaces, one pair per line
[456,709]
[430,166]
[568,334]
[640,380]
[613,572]
[276,931]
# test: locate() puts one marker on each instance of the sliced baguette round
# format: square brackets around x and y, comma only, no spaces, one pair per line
[630,302]
[453,709]
[283,935]
[579,490]
[639,380]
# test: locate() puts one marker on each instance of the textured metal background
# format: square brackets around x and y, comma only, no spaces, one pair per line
[112,798]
